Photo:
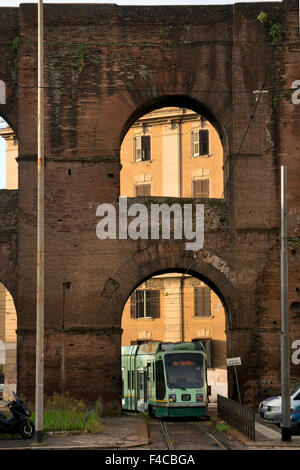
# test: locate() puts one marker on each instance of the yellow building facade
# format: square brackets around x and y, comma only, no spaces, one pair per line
[8,317]
[8,343]
[174,152]
[11,154]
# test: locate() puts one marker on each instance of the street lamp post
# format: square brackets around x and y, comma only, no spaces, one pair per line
[39,381]
[285,352]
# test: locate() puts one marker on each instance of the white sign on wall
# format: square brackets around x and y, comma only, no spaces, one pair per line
[296,354]
[296,93]
[234,361]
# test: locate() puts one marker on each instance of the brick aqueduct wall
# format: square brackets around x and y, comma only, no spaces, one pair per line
[105,66]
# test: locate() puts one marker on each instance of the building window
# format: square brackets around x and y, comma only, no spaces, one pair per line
[142,148]
[202,301]
[200,142]
[143,189]
[145,303]
[200,188]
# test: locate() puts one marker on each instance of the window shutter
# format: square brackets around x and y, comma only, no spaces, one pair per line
[196,188]
[139,303]
[206,301]
[204,142]
[154,303]
[143,190]
[197,302]
[204,191]
[138,148]
[201,188]
[146,147]
[195,142]
[202,302]
[133,305]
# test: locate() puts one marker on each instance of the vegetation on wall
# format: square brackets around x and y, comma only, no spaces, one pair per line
[276,34]
[81,57]
[275,30]
[15,47]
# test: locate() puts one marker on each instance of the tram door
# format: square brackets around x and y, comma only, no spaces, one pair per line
[142,387]
[145,389]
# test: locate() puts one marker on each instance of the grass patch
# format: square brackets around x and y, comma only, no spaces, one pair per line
[64,413]
[222,427]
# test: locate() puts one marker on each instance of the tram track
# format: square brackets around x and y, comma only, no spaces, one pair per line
[189,435]
[166,435]
[212,437]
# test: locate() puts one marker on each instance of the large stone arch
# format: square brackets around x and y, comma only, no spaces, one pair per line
[208,106]
[166,257]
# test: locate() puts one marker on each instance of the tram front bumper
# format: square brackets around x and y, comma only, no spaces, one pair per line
[180,410]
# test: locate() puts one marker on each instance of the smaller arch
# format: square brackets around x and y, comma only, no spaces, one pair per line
[8,342]
[9,146]
[164,258]
[10,289]
[176,306]
[9,123]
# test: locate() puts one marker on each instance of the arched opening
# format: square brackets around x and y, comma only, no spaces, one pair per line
[179,101]
[172,152]
[174,147]
[8,317]
[8,155]
[180,307]
[8,344]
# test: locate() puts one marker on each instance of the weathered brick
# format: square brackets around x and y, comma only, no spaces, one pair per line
[209,59]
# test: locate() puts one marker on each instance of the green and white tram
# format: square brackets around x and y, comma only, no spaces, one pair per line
[165,379]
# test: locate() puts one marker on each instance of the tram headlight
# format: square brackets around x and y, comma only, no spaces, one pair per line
[199,397]
[172,398]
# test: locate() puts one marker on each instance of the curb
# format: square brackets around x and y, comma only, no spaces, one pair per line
[143,441]
[265,444]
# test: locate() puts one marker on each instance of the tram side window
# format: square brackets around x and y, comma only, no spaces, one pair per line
[128,379]
[160,380]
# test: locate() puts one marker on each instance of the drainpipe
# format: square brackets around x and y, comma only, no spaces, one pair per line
[66,285]
[179,160]
[182,306]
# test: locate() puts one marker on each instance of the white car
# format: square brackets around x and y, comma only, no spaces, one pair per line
[270,408]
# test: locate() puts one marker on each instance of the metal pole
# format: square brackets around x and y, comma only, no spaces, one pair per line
[237,384]
[39,384]
[285,362]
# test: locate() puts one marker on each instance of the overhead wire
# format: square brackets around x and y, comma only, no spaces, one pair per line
[248,126]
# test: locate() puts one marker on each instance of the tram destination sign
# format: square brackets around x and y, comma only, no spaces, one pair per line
[233,361]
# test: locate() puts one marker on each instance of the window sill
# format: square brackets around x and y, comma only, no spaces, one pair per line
[145,318]
[201,156]
[203,316]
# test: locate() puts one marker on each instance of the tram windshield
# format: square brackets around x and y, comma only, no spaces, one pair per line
[184,370]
